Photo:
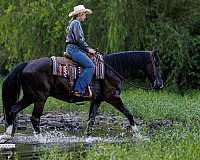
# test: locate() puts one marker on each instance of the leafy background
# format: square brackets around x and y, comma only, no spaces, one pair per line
[31,29]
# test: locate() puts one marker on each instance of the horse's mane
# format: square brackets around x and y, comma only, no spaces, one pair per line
[127,63]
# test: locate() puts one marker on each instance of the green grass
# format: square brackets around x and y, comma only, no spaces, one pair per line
[161,105]
[162,148]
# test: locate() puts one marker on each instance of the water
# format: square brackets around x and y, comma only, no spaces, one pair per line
[28,146]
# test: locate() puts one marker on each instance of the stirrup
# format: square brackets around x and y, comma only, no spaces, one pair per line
[89,92]
[78,94]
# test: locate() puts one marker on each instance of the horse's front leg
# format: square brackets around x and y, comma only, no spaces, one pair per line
[36,114]
[92,114]
[116,101]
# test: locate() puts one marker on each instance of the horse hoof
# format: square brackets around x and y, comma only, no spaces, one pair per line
[89,130]
[90,127]
[40,138]
[5,138]
[88,133]
[137,135]
[134,129]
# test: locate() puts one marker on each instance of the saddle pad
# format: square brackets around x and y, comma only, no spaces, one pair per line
[99,66]
[67,68]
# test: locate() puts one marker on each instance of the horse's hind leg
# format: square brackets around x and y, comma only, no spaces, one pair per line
[11,114]
[37,113]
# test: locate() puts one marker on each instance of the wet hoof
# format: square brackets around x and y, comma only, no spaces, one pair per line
[5,138]
[90,128]
[40,138]
[88,131]
[134,129]
[137,135]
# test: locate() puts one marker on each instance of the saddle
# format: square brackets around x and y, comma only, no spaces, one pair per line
[67,68]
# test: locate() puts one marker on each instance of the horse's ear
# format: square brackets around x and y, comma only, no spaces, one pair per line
[156,56]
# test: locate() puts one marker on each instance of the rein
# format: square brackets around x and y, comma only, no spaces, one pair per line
[139,87]
[153,64]
[111,68]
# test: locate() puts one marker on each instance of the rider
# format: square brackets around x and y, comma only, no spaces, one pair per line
[77,48]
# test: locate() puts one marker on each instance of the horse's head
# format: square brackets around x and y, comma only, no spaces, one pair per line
[154,71]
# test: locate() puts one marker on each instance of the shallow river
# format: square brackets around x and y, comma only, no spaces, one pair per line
[65,132]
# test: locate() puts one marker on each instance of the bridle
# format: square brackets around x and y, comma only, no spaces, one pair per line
[153,64]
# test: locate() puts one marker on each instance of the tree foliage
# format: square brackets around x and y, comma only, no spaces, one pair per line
[31,29]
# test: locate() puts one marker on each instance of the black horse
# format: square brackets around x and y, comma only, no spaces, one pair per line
[37,82]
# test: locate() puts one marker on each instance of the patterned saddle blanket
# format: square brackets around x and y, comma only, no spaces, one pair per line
[65,67]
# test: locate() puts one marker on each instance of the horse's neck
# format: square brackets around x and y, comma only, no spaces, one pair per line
[126,63]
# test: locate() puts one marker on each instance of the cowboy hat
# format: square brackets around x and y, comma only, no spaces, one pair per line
[80,9]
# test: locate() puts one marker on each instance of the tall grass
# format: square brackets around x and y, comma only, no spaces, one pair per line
[170,147]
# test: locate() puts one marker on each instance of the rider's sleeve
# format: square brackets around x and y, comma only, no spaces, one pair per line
[79,35]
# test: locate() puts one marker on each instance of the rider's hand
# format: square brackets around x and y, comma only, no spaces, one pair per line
[92,51]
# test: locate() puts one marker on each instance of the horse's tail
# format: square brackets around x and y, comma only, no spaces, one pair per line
[11,88]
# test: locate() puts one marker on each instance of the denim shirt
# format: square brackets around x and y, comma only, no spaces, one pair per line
[75,34]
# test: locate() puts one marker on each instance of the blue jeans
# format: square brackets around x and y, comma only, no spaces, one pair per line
[89,67]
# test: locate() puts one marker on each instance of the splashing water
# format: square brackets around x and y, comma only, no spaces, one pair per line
[72,134]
